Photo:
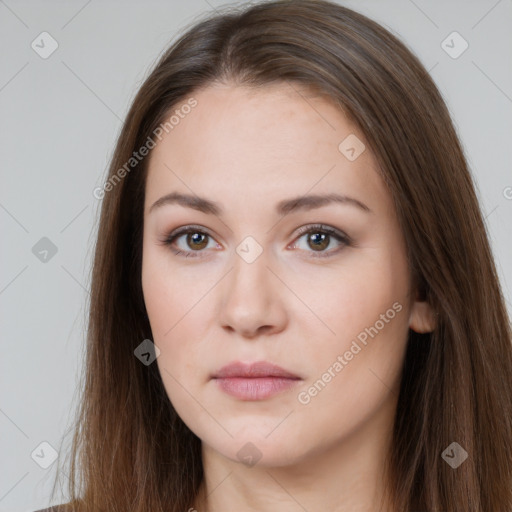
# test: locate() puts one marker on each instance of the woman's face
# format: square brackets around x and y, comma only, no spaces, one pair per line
[274,271]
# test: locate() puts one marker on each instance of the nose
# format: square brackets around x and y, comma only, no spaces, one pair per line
[252,299]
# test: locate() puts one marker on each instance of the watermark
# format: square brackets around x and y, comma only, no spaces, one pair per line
[249,454]
[44,455]
[44,249]
[454,455]
[351,147]
[507,192]
[249,249]
[44,45]
[143,151]
[454,45]
[304,397]
[147,352]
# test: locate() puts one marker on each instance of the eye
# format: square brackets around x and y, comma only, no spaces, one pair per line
[319,237]
[196,238]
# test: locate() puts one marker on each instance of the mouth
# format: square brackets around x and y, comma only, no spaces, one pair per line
[256,381]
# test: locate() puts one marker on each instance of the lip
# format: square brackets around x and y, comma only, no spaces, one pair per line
[253,370]
[256,381]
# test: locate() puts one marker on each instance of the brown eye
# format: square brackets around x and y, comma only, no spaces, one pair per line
[318,241]
[196,240]
[319,238]
[194,244]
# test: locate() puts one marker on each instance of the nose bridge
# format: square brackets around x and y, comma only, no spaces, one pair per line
[251,299]
[250,274]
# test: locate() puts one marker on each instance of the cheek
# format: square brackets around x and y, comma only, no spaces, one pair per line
[345,300]
[364,319]
[174,327]
[168,294]
[175,304]
[359,369]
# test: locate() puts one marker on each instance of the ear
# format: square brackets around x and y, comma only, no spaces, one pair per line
[422,319]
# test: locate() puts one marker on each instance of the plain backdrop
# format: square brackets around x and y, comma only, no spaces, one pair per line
[59,119]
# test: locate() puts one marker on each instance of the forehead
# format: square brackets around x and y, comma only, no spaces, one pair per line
[241,142]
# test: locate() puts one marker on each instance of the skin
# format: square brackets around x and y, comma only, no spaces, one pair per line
[248,149]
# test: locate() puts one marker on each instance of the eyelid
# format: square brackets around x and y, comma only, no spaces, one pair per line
[324,227]
[189,227]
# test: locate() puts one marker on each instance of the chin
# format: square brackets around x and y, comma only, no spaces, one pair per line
[251,448]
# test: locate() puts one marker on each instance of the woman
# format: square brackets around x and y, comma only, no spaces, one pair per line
[294,304]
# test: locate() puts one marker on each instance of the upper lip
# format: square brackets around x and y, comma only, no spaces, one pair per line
[253,370]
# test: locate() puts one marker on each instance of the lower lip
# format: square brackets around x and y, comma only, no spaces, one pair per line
[256,388]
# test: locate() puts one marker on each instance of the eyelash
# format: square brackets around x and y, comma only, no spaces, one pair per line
[316,228]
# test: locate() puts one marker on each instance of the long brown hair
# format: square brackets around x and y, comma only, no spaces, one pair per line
[131,451]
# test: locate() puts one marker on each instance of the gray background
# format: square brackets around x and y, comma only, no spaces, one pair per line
[60,118]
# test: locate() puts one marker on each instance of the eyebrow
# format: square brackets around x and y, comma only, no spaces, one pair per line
[284,207]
